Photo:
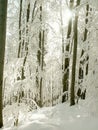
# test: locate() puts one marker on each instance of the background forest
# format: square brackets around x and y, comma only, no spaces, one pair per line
[51,56]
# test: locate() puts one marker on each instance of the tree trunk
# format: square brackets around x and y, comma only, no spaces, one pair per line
[65,65]
[40,59]
[3,13]
[23,44]
[81,71]
[20,41]
[74,58]
[26,41]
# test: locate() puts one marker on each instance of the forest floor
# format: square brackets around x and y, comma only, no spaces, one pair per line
[60,117]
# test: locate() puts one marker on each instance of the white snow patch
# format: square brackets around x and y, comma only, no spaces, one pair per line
[60,117]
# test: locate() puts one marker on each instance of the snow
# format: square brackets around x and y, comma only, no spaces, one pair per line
[60,117]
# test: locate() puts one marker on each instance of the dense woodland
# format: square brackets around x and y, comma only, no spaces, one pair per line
[50,56]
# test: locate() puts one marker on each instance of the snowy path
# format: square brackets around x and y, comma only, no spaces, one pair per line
[87,124]
[61,117]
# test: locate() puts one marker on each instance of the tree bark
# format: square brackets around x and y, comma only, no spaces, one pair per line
[81,71]
[23,44]
[65,65]
[3,15]
[74,58]
[20,41]
[40,59]
[26,42]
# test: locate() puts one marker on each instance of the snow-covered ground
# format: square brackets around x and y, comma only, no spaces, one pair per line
[60,117]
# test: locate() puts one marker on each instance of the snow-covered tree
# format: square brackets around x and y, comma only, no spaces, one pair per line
[3,14]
